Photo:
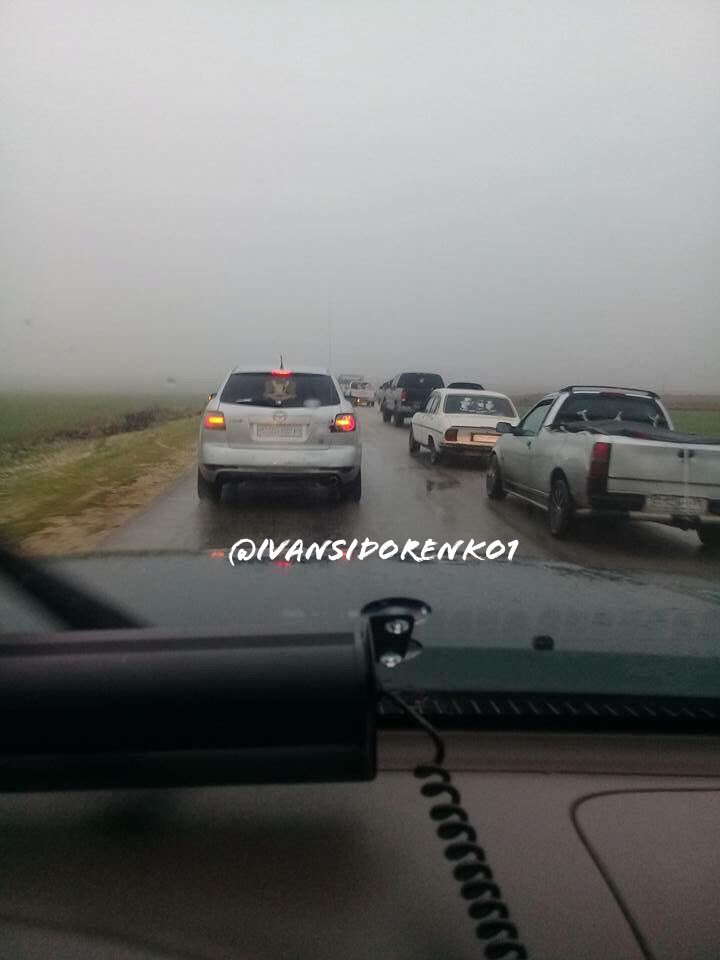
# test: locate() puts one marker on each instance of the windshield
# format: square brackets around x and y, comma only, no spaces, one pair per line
[486,405]
[211,211]
[607,406]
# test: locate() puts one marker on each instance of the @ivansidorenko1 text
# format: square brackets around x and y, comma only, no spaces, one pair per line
[417,550]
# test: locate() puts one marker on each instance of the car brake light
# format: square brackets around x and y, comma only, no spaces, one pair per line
[344,423]
[451,434]
[214,421]
[600,461]
[403,396]
[281,373]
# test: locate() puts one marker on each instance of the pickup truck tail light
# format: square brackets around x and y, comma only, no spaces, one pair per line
[343,423]
[599,461]
[451,434]
[599,468]
[214,421]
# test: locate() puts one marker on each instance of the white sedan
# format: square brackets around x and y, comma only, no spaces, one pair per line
[461,422]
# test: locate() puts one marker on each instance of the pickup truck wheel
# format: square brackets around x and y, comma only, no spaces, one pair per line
[398,419]
[709,536]
[413,445]
[385,414]
[353,490]
[560,513]
[208,489]
[493,480]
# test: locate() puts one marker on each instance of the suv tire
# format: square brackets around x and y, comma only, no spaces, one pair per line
[208,489]
[353,490]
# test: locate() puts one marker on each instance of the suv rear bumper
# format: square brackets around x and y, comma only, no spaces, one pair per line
[337,462]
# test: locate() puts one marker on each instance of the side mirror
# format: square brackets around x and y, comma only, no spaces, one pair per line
[502,426]
[211,396]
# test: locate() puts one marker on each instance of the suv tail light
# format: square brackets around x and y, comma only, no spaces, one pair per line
[343,423]
[451,434]
[214,421]
[403,396]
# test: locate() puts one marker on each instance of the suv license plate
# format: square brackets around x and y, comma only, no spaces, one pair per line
[280,431]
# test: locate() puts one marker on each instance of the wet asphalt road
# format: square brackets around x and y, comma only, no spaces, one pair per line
[403,497]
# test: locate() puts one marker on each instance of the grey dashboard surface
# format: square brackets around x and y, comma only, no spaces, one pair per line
[659,851]
[31,941]
[343,872]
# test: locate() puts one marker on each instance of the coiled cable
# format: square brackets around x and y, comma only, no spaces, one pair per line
[495,928]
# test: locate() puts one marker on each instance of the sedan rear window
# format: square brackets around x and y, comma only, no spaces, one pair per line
[486,406]
[263,389]
[582,407]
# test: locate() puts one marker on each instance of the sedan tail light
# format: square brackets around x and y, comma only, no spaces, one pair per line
[343,423]
[214,421]
[451,434]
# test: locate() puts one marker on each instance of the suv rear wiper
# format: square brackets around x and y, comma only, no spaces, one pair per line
[77,609]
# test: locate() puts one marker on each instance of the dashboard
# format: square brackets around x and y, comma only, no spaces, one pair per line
[603,845]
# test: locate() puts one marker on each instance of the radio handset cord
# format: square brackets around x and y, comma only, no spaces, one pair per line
[478,886]
[391,623]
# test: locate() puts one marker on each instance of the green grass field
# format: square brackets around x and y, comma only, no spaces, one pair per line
[91,480]
[705,422]
[29,420]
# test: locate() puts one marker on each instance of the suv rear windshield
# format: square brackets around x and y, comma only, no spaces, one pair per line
[430,381]
[610,406]
[262,389]
[487,406]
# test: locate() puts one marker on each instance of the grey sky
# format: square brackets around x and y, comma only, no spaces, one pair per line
[524,192]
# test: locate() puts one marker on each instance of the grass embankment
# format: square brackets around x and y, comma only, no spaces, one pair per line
[72,468]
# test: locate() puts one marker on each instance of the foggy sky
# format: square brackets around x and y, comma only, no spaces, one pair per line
[527,193]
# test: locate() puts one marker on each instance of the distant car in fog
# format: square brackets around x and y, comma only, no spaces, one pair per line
[361,393]
[277,424]
[462,422]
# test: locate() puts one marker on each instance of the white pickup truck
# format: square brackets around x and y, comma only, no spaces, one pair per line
[611,452]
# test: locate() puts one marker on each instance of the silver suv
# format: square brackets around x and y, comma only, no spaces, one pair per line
[279,425]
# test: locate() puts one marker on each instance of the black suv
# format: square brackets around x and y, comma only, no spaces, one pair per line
[408,393]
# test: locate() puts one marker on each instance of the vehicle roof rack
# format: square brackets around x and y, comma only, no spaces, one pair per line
[594,386]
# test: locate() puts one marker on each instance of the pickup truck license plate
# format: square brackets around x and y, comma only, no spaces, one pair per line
[279,431]
[681,506]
